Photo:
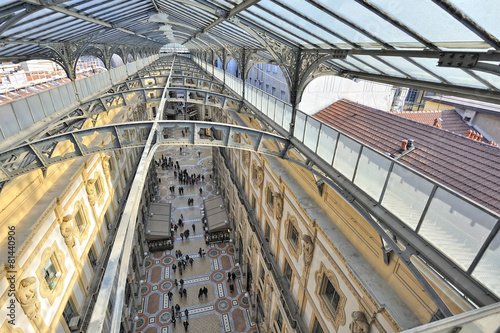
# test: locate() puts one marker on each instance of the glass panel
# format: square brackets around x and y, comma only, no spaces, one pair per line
[300,123]
[456,227]
[270,110]
[482,14]
[346,156]
[411,69]
[278,116]
[287,118]
[488,270]
[312,132]
[491,78]
[286,26]
[427,19]
[372,173]
[23,113]
[365,18]
[8,120]
[453,75]
[313,14]
[406,195]
[36,107]
[327,141]
[265,103]
[380,65]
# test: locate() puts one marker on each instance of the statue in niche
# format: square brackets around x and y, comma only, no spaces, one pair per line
[67,230]
[105,166]
[359,323]
[259,177]
[246,157]
[90,187]
[27,296]
[237,137]
[308,247]
[278,210]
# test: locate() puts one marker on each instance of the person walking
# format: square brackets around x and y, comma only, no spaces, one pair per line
[191,261]
[182,282]
[174,267]
[201,191]
[173,320]
[200,292]
[194,228]
[175,282]
[186,312]
[184,291]
[205,291]
[233,276]
[231,288]
[186,324]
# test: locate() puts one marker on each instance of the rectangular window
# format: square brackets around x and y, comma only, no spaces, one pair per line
[50,273]
[79,221]
[283,95]
[260,84]
[69,312]
[270,198]
[261,66]
[273,91]
[275,69]
[293,236]
[267,88]
[330,295]
[287,272]
[268,67]
[317,327]
[98,188]
[107,220]
[267,231]
[92,258]
[279,318]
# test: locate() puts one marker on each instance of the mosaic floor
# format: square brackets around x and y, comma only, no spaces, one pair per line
[221,310]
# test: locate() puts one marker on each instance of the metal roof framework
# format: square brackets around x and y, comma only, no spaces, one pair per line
[434,44]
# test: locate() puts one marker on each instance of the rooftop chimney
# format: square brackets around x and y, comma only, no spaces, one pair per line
[404,144]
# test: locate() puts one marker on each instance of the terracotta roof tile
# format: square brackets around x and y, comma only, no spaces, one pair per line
[467,166]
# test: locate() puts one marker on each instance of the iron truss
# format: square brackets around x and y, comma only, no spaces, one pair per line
[58,148]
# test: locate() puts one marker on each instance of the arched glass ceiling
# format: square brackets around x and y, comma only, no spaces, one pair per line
[388,40]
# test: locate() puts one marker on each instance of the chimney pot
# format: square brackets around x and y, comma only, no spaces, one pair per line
[410,144]
[404,144]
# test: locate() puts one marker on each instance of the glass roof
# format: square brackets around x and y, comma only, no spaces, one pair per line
[422,28]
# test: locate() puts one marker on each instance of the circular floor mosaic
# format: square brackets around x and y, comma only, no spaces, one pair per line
[165,317]
[166,285]
[140,322]
[218,276]
[223,305]
[244,300]
[213,253]
[144,289]
[230,250]
[237,273]
[167,260]
[148,263]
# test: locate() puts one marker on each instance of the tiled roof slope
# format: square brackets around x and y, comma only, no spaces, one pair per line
[464,165]
[451,119]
